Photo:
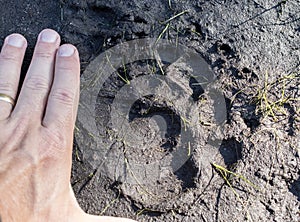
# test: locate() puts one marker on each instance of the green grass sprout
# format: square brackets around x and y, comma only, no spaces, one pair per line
[270,105]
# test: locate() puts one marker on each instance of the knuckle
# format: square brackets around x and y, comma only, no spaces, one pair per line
[45,51]
[66,68]
[37,83]
[9,57]
[44,54]
[6,87]
[63,96]
[67,64]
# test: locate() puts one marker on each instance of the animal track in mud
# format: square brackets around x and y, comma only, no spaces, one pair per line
[157,126]
[151,123]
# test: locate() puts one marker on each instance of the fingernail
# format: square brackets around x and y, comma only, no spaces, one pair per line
[16,41]
[66,50]
[48,36]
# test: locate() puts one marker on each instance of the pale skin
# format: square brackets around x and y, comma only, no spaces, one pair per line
[37,133]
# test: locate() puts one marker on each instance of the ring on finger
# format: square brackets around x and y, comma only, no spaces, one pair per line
[7,98]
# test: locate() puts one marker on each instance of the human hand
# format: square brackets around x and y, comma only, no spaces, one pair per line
[37,132]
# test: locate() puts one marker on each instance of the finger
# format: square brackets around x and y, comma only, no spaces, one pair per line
[11,58]
[38,80]
[63,98]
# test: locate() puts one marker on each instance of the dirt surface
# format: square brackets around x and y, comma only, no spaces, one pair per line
[250,172]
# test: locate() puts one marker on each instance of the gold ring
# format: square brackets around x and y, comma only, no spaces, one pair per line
[6,98]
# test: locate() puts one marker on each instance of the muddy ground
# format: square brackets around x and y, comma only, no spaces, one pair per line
[252,174]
